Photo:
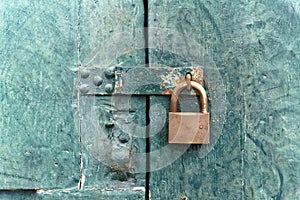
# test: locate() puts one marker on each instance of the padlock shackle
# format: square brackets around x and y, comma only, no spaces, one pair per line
[196,86]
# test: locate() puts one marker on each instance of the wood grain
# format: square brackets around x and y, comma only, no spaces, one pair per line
[39,145]
[110,127]
[253,46]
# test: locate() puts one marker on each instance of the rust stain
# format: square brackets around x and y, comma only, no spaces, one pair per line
[183,197]
[129,51]
[163,77]
[179,80]
[171,79]
[175,77]
[127,165]
[197,75]
[167,92]
[154,68]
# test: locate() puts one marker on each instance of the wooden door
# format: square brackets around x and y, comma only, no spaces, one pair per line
[64,138]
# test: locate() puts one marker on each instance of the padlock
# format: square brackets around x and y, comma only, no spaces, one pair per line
[189,127]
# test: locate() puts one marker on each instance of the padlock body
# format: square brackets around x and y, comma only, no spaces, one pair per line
[189,128]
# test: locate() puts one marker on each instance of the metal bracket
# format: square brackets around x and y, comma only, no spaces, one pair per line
[135,81]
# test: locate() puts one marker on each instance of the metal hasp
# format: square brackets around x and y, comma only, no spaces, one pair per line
[189,127]
[135,80]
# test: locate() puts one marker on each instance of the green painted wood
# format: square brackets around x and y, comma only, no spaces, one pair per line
[255,48]
[112,134]
[271,93]
[19,195]
[195,175]
[92,194]
[110,126]
[40,131]
[39,144]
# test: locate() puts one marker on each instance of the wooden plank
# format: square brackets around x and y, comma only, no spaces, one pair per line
[93,194]
[199,33]
[109,126]
[113,132]
[253,45]
[90,193]
[272,163]
[11,194]
[39,145]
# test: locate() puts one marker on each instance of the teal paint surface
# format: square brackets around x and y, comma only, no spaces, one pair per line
[255,46]
[39,145]
[93,194]
[41,44]
[108,149]
[19,195]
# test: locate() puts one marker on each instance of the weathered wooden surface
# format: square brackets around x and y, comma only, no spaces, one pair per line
[90,193]
[112,133]
[271,99]
[39,144]
[256,49]
[109,126]
[20,195]
[252,45]
[93,194]
[42,46]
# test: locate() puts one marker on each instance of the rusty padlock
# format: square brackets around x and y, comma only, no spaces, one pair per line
[189,127]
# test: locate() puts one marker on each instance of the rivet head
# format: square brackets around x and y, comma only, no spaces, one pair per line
[201,126]
[84,88]
[109,88]
[97,80]
[109,124]
[184,197]
[84,73]
[123,137]
[109,72]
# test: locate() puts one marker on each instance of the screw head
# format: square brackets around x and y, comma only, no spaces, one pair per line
[123,137]
[109,88]
[109,72]
[84,73]
[97,80]
[84,88]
